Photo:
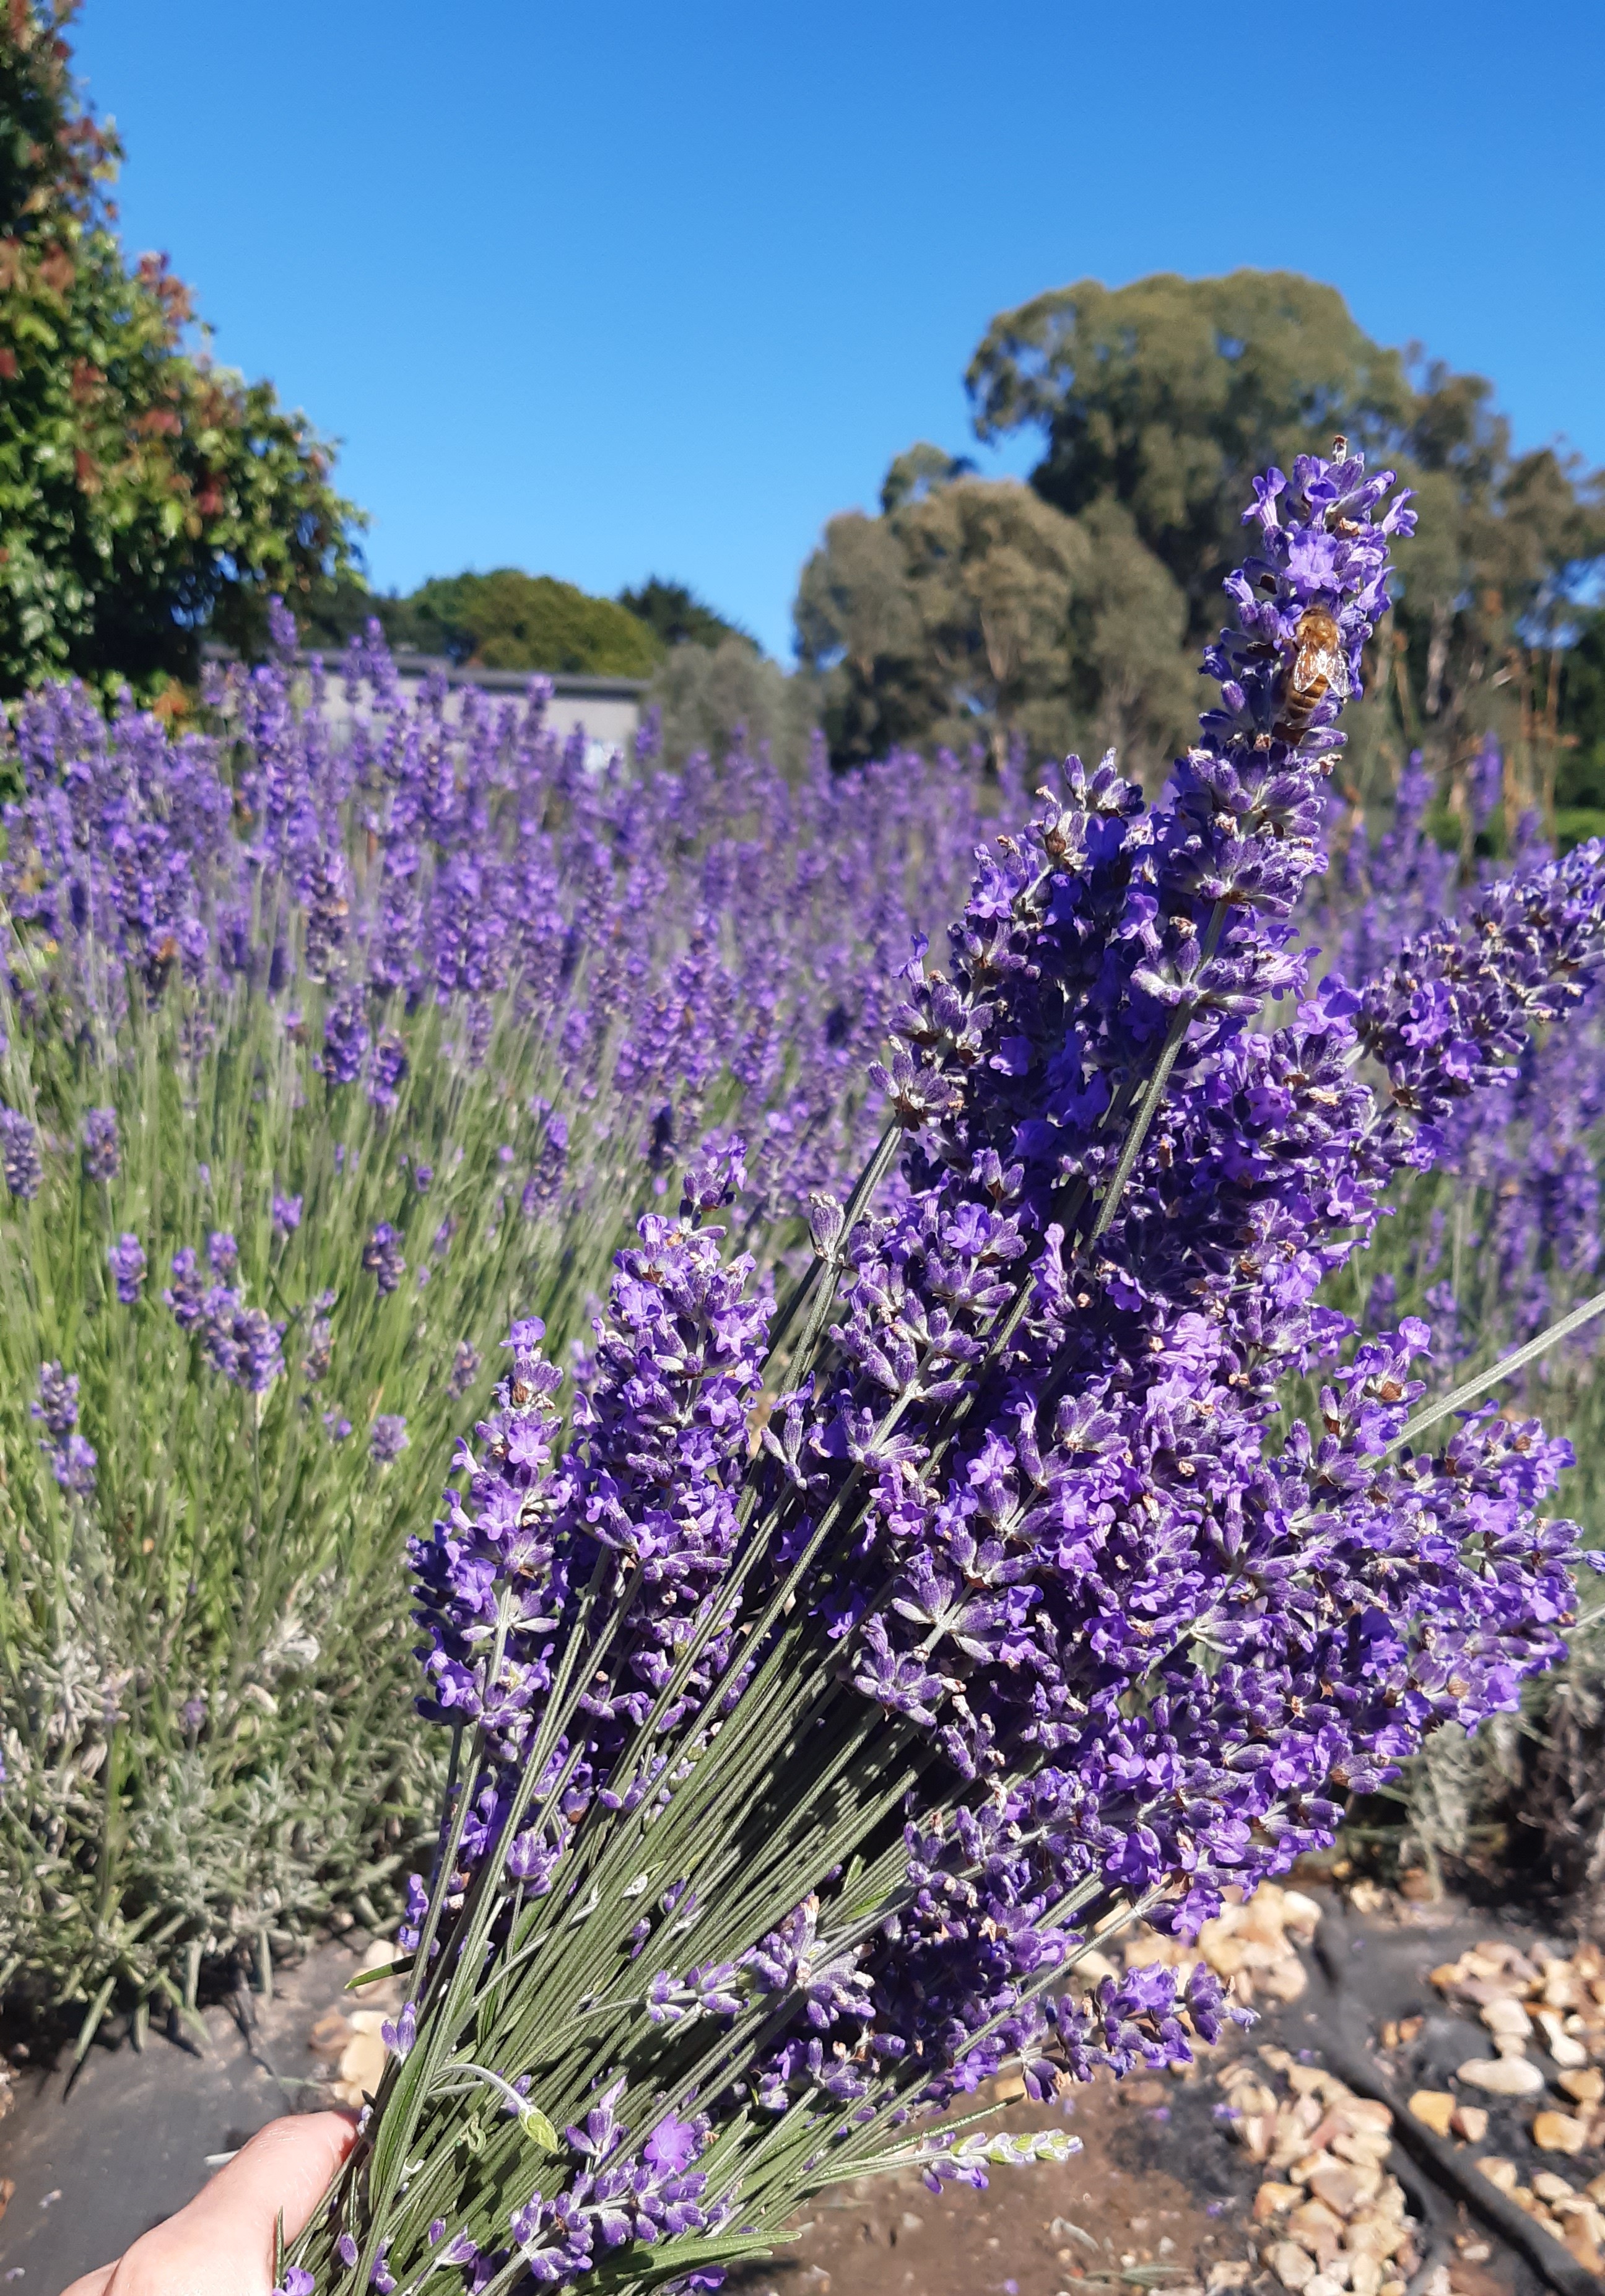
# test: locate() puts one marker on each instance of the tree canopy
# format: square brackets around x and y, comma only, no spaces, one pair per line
[146,493]
[511,620]
[970,610]
[678,617]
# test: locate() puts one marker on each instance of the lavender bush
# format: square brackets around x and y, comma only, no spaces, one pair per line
[1493,1245]
[1501,1237]
[831,1677]
[325,1054]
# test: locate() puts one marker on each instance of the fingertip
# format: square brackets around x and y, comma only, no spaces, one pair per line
[287,2166]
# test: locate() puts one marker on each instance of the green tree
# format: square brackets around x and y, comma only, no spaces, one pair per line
[145,494]
[944,620]
[971,610]
[706,696]
[339,611]
[511,620]
[679,617]
[1166,397]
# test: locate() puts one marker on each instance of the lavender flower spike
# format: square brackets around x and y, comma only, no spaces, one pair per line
[126,1259]
[20,1157]
[101,1158]
[390,1437]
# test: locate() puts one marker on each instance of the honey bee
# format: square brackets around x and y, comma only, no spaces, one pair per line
[160,961]
[1320,667]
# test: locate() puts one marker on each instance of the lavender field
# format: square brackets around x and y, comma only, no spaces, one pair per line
[320,1065]
[950,1323]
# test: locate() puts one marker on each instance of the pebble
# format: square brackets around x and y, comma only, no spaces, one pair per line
[1343,2188]
[1293,2266]
[1502,2075]
[1584,2088]
[1471,2122]
[1435,2107]
[362,2061]
[1559,2132]
[1565,2048]
[1506,2015]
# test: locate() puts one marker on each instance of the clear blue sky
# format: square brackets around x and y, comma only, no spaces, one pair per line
[605,289]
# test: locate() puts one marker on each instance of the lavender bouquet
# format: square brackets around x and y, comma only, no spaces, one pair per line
[836,1676]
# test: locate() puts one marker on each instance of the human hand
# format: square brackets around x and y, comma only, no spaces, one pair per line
[222,2243]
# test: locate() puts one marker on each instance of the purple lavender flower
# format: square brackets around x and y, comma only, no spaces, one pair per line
[1485,783]
[20,1157]
[399,2037]
[672,2146]
[74,1465]
[186,1294]
[320,1341]
[259,1348]
[657,1453]
[58,1403]
[101,1158]
[219,1307]
[72,1460]
[386,1070]
[286,1214]
[465,1367]
[126,1259]
[241,1342]
[390,1437]
[381,1256]
[346,1039]
[283,636]
[222,1254]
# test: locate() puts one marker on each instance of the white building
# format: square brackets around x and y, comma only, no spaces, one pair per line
[609,709]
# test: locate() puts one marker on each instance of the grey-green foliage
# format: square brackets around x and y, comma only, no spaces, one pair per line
[970,612]
[705,693]
[204,1670]
[206,1680]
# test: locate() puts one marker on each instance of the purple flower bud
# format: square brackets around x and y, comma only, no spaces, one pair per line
[126,1261]
[381,1256]
[20,1157]
[390,1437]
[101,1158]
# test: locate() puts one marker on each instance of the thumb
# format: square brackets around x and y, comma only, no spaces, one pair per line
[222,2243]
[288,2165]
